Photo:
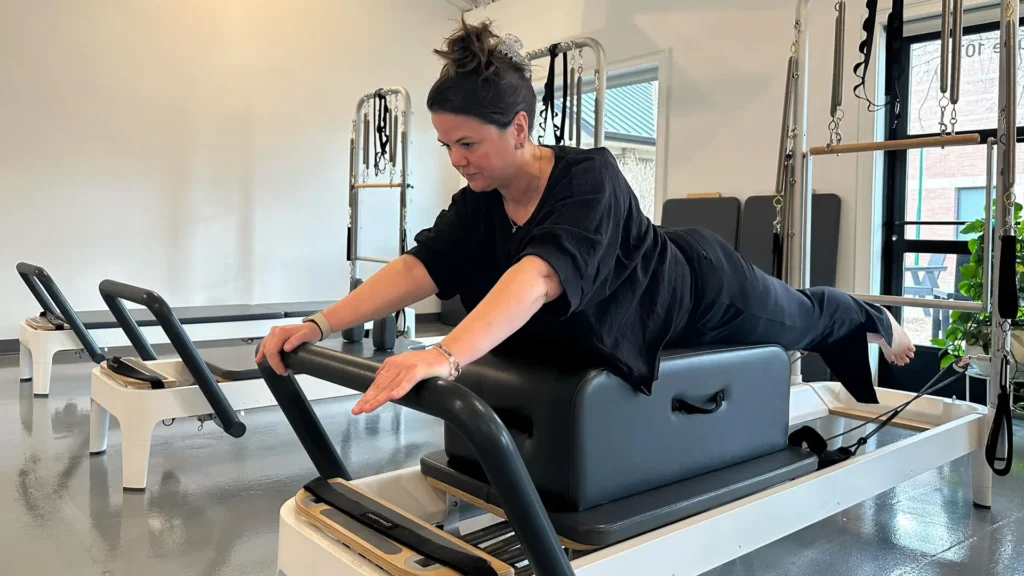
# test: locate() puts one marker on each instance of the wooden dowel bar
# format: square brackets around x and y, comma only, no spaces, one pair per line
[905,144]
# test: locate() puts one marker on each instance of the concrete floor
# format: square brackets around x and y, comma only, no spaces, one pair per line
[212,503]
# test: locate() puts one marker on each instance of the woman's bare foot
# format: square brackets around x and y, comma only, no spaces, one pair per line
[902,349]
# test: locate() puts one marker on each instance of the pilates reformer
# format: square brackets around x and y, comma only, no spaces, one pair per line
[550,470]
[386,137]
[58,327]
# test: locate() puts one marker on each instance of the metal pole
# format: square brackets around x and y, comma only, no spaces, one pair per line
[797,242]
[958,44]
[944,50]
[353,193]
[989,229]
[403,193]
[1007,135]
[782,174]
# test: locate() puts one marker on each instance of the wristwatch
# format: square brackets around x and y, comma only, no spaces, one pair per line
[321,322]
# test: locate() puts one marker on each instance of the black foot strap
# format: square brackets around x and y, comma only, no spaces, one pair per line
[816,443]
[1002,426]
[400,529]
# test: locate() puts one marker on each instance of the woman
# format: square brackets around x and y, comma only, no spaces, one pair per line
[550,253]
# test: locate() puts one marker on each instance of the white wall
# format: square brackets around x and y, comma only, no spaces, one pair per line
[201,148]
[726,86]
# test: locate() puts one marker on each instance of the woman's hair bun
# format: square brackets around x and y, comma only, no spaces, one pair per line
[472,48]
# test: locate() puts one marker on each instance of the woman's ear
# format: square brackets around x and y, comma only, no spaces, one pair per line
[521,128]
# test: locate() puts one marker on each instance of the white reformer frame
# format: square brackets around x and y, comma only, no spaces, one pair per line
[138,411]
[947,429]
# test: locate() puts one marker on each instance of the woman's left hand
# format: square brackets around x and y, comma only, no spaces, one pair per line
[398,374]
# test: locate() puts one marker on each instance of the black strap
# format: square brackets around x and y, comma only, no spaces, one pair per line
[548,99]
[866,47]
[382,126]
[559,128]
[818,445]
[1002,424]
[894,57]
[777,255]
[1008,304]
[401,529]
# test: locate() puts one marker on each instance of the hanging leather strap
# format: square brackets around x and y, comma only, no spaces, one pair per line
[548,99]
[777,255]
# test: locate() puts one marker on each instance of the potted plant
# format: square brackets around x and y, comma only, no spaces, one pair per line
[968,332]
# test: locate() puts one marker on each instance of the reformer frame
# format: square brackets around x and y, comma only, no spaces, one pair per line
[359,150]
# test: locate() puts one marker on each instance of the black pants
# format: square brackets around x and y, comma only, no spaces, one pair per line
[734,302]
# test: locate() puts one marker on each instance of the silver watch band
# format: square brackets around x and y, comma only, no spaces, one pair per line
[321,321]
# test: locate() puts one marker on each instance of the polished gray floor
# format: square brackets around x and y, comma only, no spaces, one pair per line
[212,502]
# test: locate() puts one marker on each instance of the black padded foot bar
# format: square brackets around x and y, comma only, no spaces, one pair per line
[398,528]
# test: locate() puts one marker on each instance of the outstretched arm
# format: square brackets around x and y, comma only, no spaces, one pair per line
[402,282]
[517,296]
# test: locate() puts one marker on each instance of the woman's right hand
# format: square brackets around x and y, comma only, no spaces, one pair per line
[285,338]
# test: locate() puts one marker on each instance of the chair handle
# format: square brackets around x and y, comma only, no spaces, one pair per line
[680,405]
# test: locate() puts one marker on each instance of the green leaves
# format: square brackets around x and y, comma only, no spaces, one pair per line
[974,227]
[970,272]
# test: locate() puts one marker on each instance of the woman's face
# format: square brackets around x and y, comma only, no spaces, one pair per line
[485,155]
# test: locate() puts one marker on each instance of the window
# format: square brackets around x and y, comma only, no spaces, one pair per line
[970,205]
[631,122]
[931,194]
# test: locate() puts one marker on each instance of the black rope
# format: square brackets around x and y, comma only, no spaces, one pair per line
[548,99]
[382,126]
[894,42]
[559,128]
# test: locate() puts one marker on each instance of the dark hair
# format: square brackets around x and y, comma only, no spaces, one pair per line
[479,80]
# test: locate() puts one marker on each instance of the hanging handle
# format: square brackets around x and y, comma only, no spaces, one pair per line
[1008,305]
[680,405]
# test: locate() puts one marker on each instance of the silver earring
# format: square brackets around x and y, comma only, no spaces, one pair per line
[522,145]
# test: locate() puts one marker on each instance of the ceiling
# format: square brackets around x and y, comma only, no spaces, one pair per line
[470,4]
